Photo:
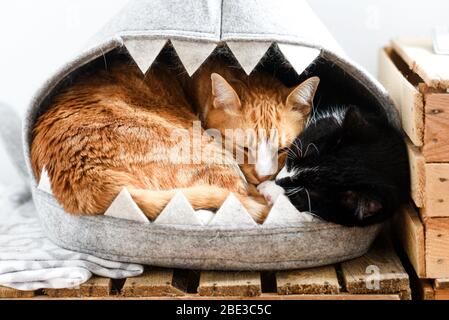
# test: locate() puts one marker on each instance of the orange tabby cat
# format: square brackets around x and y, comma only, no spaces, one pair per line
[270,115]
[113,129]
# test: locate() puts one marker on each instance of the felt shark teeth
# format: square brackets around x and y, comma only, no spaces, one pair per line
[144,51]
[44,182]
[231,213]
[124,207]
[205,216]
[300,58]
[193,54]
[178,212]
[285,214]
[249,53]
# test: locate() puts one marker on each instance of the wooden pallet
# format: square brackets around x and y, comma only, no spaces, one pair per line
[352,280]
[418,81]
[437,289]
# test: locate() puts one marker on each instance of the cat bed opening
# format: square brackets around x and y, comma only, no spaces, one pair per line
[292,44]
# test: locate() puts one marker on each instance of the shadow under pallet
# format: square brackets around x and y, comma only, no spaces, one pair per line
[379,275]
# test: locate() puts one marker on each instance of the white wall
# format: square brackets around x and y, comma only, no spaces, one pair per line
[38,35]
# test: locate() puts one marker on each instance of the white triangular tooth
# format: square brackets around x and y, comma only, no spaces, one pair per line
[193,54]
[231,213]
[285,214]
[249,53]
[299,57]
[205,216]
[124,207]
[144,51]
[178,212]
[44,182]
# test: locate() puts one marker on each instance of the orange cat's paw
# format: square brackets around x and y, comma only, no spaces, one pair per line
[271,191]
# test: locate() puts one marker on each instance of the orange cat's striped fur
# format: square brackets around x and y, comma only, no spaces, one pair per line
[112,129]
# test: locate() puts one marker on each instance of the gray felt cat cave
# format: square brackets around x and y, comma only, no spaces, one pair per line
[288,38]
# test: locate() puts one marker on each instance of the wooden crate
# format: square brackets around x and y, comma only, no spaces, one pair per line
[437,289]
[426,244]
[418,81]
[379,275]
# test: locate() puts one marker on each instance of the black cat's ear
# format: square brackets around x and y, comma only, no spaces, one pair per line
[354,120]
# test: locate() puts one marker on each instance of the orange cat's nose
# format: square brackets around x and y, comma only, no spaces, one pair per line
[263,178]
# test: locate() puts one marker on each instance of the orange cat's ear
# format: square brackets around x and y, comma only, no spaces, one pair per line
[224,95]
[301,98]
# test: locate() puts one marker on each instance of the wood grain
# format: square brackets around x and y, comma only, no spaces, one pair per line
[410,232]
[311,281]
[154,282]
[436,190]
[441,284]
[407,99]
[437,248]
[417,174]
[419,55]
[95,287]
[245,284]
[379,271]
[436,132]
[9,293]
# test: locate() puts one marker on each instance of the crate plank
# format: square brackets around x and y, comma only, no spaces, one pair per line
[407,99]
[437,248]
[425,289]
[262,297]
[441,284]
[154,282]
[245,284]
[95,287]
[311,281]
[437,190]
[417,174]
[9,293]
[436,132]
[419,55]
[410,232]
[379,271]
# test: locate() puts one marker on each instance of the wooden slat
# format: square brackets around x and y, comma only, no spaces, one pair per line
[419,55]
[437,190]
[245,284]
[437,248]
[407,98]
[441,296]
[441,284]
[360,275]
[9,293]
[95,287]
[410,232]
[417,174]
[262,297]
[436,132]
[155,282]
[311,281]
[426,291]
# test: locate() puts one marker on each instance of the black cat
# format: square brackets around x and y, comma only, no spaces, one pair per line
[346,167]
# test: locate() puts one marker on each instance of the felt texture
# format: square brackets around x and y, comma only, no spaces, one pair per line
[124,207]
[248,54]
[200,247]
[144,51]
[294,244]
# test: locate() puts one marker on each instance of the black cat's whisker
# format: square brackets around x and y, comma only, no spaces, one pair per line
[308,197]
[294,191]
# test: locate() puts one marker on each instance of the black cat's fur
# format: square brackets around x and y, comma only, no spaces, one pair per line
[351,168]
